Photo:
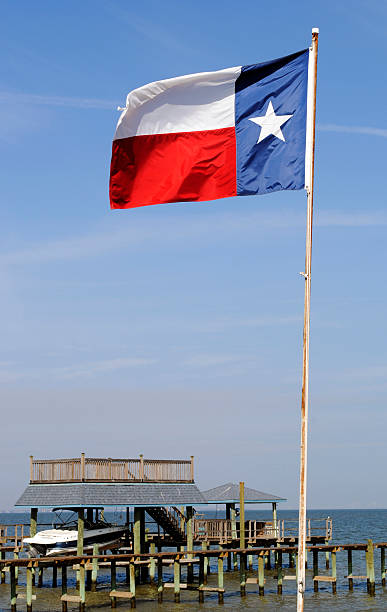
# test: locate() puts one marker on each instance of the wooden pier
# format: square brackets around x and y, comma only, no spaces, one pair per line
[86,568]
[176,551]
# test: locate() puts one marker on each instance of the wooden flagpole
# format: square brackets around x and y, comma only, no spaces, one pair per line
[309,179]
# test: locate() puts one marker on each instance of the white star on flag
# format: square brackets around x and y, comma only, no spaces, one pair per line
[270,123]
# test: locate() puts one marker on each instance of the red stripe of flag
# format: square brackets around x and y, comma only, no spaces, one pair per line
[185,166]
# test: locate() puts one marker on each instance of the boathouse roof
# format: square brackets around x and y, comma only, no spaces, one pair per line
[84,495]
[229,493]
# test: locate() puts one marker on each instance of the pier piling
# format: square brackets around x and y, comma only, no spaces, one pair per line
[370,568]
[64,587]
[279,573]
[13,588]
[29,588]
[350,570]
[261,574]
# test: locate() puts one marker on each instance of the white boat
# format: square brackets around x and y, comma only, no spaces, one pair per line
[62,540]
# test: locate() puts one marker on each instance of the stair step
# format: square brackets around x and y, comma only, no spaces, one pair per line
[211,589]
[356,577]
[73,598]
[123,594]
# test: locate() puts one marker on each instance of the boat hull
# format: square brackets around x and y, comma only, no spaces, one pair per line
[56,542]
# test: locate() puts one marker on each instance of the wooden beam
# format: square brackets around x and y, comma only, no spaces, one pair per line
[242,515]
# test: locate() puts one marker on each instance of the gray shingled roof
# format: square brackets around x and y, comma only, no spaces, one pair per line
[230,493]
[85,494]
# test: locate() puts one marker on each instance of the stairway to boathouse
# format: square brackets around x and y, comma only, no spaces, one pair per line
[171,520]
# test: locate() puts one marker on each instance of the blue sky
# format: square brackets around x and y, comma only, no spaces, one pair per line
[177,329]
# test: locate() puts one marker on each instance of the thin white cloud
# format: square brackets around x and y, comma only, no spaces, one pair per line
[82,370]
[209,360]
[352,129]
[66,101]
[352,219]
[99,367]
[180,230]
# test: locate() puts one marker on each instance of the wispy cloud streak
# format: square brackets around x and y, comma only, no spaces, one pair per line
[352,129]
[82,370]
[66,101]
[183,230]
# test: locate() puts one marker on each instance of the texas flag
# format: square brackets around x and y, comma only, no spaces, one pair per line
[238,131]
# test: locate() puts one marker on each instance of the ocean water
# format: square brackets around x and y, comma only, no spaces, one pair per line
[349,526]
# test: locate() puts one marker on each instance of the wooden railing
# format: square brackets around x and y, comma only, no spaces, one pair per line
[11,534]
[85,469]
[314,528]
[223,530]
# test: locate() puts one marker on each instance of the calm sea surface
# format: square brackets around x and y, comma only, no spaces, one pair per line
[349,526]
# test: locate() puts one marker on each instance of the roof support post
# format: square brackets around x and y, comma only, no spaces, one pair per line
[242,514]
[81,526]
[138,534]
[274,507]
[190,542]
[33,522]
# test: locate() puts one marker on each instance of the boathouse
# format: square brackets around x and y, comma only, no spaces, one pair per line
[165,489]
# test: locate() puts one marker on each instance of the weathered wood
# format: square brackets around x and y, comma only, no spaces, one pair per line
[54,576]
[325,578]
[249,559]
[121,594]
[176,580]
[71,598]
[315,570]
[2,571]
[279,573]
[132,586]
[190,542]
[327,556]
[159,580]
[207,589]
[383,565]
[84,469]
[242,515]
[40,577]
[201,578]
[220,580]
[64,587]
[13,588]
[33,522]
[152,571]
[94,568]
[350,578]
[82,590]
[371,568]
[113,583]
[81,527]
[205,565]
[261,575]
[242,573]
[29,589]
[333,557]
